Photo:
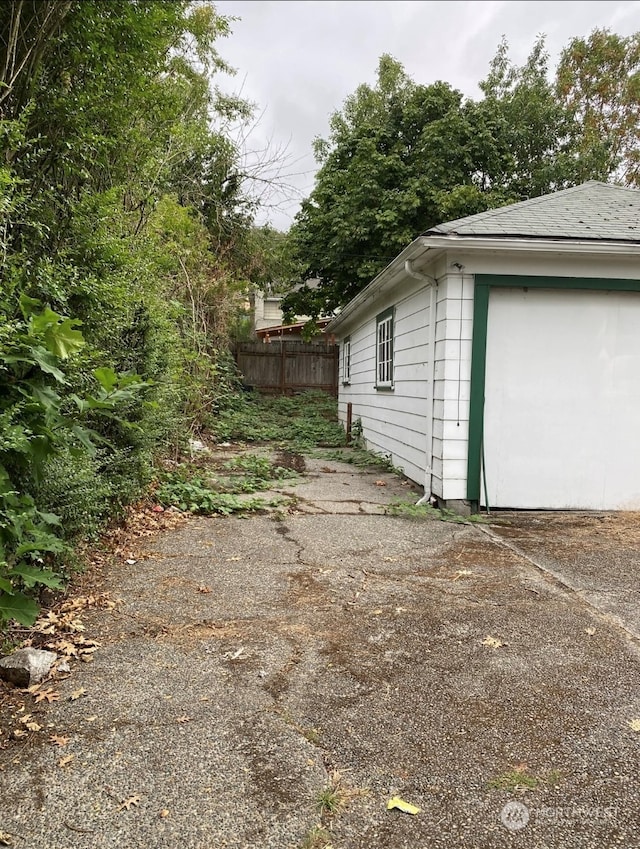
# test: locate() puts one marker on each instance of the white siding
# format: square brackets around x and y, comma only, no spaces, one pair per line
[451,385]
[393,422]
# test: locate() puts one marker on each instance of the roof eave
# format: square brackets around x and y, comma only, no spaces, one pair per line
[534,244]
[386,277]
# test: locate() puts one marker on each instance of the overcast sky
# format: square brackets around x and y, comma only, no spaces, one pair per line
[298,60]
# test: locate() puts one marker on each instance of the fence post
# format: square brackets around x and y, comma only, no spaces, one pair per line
[283,359]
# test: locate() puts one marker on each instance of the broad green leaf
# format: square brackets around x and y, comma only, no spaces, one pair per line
[62,340]
[106,377]
[28,306]
[87,438]
[40,323]
[43,358]
[44,542]
[32,575]
[44,395]
[19,607]
[6,586]
[49,518]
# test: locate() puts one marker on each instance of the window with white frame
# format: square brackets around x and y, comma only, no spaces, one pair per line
[346,361]
[384,350]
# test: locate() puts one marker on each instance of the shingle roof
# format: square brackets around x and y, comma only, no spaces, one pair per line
[592,210]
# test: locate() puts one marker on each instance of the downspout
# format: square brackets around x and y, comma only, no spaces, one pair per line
[431,351]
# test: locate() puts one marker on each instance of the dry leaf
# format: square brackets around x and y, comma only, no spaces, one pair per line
[381,483]
[48,696]
[401,805]
[634,724]
[493,642]
[462,573]
[19,732]
[5,839]
[590,631]
[66,760]
[234,559]
[127,803]
[204,589]
[77,694]
[33,726]
[59,740]
[184,718]
[164,813]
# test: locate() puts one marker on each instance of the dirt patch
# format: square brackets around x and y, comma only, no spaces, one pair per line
[291,460]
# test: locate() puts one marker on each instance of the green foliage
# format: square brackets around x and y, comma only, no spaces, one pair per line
[35,344]
[411,510]
[402,157]
[395,152]
[197,496]
[299,423]
[598,80]
[125,245]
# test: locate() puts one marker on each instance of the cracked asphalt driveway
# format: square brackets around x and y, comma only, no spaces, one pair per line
[488,675]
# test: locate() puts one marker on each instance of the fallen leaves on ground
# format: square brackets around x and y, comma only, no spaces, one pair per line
[381,483]
[59,740]
[127,804]
[77,694]
[47,696]
[76,646]
[28,721]
[493,643]
[184,718]
[203,589]
[66,760]
[6,839]
[164,813]
[634,724]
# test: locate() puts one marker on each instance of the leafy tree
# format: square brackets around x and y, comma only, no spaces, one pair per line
[533,129]
[598,80]
[402,157]
[395,160]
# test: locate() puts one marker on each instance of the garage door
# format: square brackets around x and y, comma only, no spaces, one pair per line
[562,399]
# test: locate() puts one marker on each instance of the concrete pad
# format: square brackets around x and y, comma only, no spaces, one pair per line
[253,663]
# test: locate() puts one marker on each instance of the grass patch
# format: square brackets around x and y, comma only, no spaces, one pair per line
[520,779]
[330,800]
[195,496]
[317,838]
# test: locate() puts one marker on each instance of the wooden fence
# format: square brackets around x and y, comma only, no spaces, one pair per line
[285,367]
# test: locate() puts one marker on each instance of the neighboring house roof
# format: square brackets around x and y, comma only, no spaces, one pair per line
[592,210]
[277,330]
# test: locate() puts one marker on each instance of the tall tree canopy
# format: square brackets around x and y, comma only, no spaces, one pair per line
[401,157]
[598,81]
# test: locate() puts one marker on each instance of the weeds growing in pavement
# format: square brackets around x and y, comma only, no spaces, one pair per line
[411,510]
[298,423]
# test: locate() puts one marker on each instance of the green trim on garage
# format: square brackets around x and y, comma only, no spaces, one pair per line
[483,285]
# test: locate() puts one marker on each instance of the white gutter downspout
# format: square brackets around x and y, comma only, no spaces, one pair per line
[431,351]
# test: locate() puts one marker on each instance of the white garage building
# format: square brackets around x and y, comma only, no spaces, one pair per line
[496,360]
